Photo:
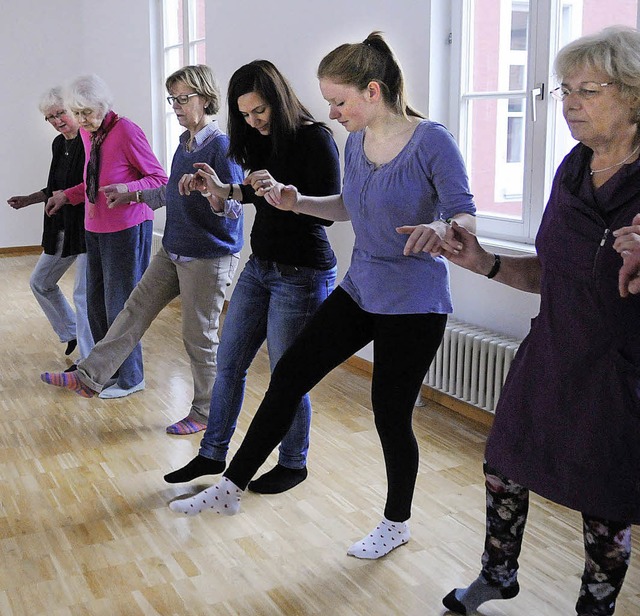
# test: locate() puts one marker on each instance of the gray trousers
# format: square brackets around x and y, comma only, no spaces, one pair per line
[44,284]
[201,284]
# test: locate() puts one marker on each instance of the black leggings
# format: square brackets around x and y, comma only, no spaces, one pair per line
[403,347]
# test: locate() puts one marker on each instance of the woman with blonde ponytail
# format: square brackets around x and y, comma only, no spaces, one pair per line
[404,176]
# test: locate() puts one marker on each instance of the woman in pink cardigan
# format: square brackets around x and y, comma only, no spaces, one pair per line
[118,240]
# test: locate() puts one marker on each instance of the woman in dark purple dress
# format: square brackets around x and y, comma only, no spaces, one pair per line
[567,424]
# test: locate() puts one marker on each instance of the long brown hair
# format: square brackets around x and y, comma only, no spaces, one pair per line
[358,64]
[287,112]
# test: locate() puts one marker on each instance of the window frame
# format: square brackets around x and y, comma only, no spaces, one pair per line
[535,188]
[189,46]
[542,154]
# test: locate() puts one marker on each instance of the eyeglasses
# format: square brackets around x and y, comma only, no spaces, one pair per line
[181,99]
[586,90]
[55,116]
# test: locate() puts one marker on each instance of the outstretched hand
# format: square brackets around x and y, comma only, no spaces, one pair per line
[19,201]
[261,181]
[436,238]
[55,202]
[283,197]
[470,255]
[117,194]
[275,193]
[204,180]
[627,243]
[628,238]
[629,275]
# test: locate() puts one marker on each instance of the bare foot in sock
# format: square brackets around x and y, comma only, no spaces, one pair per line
[223,498]
[385,537]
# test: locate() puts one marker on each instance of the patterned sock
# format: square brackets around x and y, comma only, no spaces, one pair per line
[68,380]
[387,536]
[188,425]
[223,498]
[468,600]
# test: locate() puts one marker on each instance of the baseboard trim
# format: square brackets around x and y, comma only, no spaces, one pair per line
[20,250]
[428,393]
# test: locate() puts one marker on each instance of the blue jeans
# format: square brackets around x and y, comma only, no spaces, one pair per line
[115,264]
[269,301]
[44,284]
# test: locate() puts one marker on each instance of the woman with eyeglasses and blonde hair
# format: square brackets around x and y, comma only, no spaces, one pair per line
[118,240]
[198,258]
[567,424]
[63,233]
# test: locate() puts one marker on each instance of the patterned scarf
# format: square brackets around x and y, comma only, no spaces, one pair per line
[93,166]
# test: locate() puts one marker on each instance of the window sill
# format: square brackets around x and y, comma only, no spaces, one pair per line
[507,246]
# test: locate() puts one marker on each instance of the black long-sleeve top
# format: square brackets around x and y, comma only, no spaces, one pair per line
[311,164]
[67,166]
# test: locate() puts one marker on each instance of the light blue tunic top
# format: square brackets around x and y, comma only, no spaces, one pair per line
[426,181]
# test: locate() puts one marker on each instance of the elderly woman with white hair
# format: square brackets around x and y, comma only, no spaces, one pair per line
[63,233]
[118,240]
[197,260]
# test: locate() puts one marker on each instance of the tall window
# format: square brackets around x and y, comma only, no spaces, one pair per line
[511,132]
[183,42]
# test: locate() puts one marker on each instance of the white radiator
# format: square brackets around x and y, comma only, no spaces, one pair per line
[472,364]
[156,242]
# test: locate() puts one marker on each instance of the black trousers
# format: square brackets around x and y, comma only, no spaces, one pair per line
[403,348]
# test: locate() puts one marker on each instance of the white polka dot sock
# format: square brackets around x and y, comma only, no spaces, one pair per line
[223,498]
[386,536]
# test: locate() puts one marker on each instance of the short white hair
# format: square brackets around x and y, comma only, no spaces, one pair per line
[51,98]
[89,92]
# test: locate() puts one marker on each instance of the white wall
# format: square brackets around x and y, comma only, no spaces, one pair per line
[45,43]
[33,60]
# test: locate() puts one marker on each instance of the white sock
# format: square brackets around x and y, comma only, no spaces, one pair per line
[386,536]
[223,498]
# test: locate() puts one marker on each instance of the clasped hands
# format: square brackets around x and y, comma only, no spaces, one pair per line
[206,180]
[437,238]
[115,194]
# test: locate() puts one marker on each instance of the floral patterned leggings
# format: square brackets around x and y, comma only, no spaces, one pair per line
[607,546]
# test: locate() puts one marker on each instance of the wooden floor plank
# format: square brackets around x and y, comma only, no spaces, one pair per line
[85,527]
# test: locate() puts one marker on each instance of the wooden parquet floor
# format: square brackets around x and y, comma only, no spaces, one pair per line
[85,528]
